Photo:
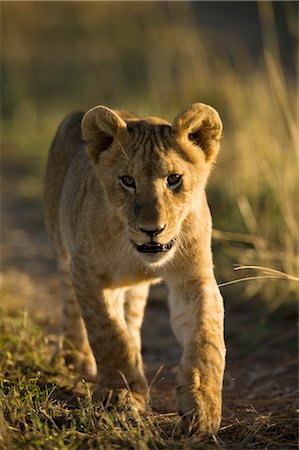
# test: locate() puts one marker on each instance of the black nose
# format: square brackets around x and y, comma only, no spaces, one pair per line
[153,233]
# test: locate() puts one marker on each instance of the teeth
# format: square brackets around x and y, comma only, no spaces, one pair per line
[153,247]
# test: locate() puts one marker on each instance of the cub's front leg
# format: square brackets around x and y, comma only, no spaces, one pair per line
[197,315]
[119,366]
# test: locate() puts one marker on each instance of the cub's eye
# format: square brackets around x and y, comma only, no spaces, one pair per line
[128,183]
[174,181]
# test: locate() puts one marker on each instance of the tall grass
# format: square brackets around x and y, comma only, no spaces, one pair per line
[152,59]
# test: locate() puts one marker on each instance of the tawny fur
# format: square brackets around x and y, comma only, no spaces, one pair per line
[92,219]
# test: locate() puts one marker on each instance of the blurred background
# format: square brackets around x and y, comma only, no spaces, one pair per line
[153,58]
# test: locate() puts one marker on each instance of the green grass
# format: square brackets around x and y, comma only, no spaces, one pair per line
[43,405]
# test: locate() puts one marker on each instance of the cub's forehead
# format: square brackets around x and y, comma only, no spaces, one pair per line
[151,132]
[152,147]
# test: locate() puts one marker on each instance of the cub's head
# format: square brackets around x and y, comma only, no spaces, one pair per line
[153,172]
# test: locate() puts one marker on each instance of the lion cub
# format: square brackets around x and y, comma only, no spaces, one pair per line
[125,206]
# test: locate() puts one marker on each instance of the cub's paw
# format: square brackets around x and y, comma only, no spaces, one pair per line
[82,362]
[201,412]
[122,399]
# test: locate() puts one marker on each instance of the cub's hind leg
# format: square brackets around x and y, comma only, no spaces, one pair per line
[135,301]
[76,347]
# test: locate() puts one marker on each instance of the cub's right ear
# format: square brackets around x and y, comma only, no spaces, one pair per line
[100,126]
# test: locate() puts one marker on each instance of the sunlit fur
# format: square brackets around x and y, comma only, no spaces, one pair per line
[93,218]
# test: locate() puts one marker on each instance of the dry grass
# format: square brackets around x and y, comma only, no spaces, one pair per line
[268,274]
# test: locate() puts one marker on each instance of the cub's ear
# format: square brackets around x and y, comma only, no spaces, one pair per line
[100,125]
[201,125]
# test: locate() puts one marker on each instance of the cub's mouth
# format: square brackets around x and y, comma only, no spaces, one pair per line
[154,247]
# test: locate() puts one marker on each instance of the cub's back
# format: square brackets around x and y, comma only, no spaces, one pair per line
[66,143]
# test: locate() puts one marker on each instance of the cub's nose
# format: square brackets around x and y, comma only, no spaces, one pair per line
[153,233]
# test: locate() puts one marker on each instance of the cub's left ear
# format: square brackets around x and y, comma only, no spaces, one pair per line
[201,125]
